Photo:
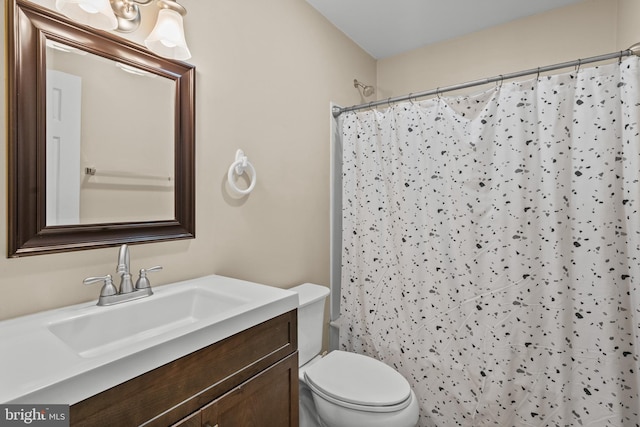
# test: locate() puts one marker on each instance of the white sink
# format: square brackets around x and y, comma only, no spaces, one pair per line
[100,331]
[66,355]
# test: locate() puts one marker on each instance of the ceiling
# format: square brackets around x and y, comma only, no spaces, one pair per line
[385,28]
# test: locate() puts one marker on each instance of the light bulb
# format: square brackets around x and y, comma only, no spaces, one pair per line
[94,13]
[89,8]
[167,38]
[168,43]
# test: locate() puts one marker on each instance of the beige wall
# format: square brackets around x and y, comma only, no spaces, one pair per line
[588,28]
[628,29]
[266,73]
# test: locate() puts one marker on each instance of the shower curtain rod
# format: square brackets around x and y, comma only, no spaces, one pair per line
[633,50]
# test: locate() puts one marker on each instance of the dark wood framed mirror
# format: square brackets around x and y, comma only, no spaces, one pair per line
[31,29]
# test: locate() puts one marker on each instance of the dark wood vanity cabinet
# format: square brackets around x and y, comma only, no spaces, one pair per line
[249,379]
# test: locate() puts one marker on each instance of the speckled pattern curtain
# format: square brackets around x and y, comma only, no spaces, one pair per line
[491,249]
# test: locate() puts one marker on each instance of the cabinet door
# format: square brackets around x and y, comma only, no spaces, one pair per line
[269,399]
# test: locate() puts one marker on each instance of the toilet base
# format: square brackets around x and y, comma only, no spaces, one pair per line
[308,411]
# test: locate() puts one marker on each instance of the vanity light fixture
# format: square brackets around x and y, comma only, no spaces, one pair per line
[167,38]
[64,48]
[94,13]
[135,71]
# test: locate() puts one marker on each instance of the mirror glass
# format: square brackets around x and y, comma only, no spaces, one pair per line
[110,138]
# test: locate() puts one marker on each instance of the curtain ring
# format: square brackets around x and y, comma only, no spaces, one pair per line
[620,57]
[438,93]
[501,81]
[538,75]
[578,66]
[411,98]
[389,102]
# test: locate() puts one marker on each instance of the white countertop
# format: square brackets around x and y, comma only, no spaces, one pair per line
[38,367]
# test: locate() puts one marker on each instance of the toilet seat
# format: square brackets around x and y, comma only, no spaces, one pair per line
[358,382]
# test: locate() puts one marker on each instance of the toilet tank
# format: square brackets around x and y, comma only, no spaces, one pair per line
[311,299]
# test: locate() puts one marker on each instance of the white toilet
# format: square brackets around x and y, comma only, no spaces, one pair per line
[345,389]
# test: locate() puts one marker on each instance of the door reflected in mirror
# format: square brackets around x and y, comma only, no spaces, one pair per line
[110,140]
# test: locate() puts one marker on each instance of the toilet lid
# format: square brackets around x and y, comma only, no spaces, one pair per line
[358,380]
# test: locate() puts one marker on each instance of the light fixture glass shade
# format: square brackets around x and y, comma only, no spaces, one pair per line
[94,13]
[167,38]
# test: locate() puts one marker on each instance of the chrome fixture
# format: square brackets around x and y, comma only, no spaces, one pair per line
[366,89]
[167,37]
[143,281]
[126,285]
[110,295]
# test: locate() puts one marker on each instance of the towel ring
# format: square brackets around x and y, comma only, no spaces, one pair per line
[239,167]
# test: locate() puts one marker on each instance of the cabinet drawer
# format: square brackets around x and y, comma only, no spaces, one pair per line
[171,392]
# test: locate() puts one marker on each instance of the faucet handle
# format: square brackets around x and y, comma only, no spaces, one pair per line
[108,288]
[143,282]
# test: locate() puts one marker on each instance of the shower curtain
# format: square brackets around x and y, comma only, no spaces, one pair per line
[491,249]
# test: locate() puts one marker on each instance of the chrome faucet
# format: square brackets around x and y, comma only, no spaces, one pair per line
[126,284]
[109,295]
